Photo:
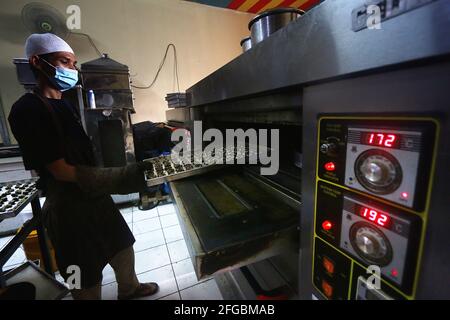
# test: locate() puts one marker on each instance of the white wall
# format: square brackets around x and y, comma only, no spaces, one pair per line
[135,33]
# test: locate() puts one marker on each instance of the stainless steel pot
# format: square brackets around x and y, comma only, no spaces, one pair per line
[246,44]
[270,21]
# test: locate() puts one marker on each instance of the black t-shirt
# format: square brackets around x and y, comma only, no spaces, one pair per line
[39,140]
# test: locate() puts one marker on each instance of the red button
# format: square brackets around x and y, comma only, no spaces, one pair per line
[327,289]
[330,166]
[328,265]
[327,225]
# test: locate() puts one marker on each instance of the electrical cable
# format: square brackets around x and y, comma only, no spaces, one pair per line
[161,66]
[90,40]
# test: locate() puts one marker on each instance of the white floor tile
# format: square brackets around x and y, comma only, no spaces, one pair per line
[173,233]
[207,290]
[128,217]
[173,296]
[169,220]
[148,240]
[126,210]
[164,277]
[185,274]
[146,226]
[17,258]
[139,215]
[4,241]
[130,225]
[166,209]
[109,291]
[27,208]
[11,267]
[108,275]
[151,259]
[178,251]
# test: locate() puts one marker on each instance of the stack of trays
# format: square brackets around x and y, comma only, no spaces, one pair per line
[14,196]
[176,100]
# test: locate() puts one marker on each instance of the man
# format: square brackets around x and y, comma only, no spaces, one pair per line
[84,225]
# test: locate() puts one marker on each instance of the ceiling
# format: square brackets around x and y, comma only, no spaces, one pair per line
[255,6]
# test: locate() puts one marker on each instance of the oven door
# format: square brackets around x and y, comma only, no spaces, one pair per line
[232,218]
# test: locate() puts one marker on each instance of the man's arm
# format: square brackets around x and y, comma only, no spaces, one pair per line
[62,171]
[96,181]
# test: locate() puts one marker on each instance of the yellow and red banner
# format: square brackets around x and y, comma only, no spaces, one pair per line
[256,6]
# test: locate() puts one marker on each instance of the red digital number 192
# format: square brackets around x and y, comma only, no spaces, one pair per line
[374,216]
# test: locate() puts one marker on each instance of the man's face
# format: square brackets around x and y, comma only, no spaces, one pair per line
[63,59]
[57,59]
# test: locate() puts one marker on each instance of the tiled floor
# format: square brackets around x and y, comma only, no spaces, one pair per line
[19,256]
[161,256]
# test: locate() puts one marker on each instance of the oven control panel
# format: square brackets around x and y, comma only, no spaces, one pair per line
[372,186]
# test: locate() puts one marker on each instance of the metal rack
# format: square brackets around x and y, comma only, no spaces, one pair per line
[31,195]
[171,168]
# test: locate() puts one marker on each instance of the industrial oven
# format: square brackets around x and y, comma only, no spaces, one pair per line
[358,208]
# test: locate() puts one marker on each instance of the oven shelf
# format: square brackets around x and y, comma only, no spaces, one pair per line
[231,218]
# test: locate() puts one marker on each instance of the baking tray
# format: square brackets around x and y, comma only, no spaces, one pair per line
[47,288]
[168,168]
[15,195]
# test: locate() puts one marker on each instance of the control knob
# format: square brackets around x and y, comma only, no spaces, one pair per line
[378,171]
[370,244]
[329,148]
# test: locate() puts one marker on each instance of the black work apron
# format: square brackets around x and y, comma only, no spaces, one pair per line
[85,231]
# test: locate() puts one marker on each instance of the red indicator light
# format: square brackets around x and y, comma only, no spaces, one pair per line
[405,195]
[327,225]
[330,166]
[394,272]
[327,289]
[328,265]
[378,217]
[380,139]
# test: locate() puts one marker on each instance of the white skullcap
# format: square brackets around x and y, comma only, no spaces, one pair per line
[43,43]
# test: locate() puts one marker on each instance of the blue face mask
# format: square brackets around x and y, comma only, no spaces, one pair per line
[64,79]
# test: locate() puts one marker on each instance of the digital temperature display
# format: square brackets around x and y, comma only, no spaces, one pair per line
[380,139]
[380,218]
